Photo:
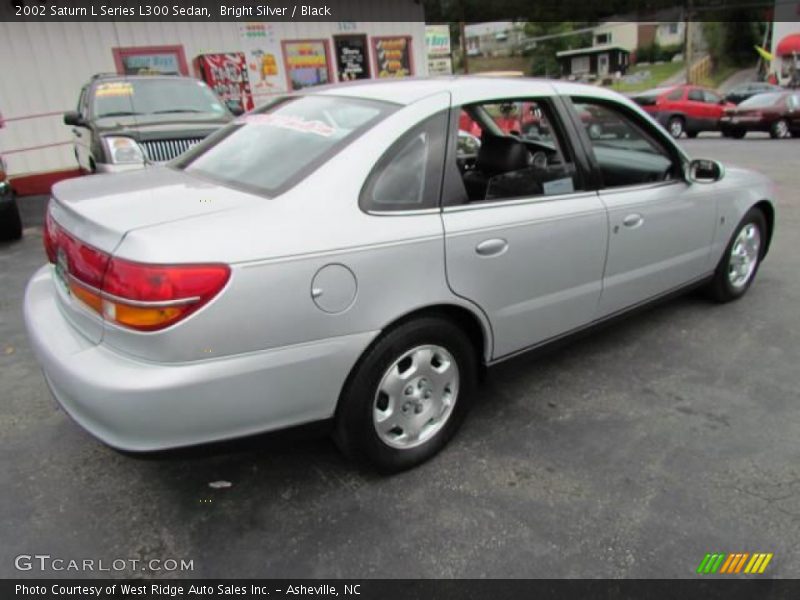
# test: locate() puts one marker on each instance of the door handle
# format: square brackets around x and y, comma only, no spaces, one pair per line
[77,133]
[633,220]
[493,247]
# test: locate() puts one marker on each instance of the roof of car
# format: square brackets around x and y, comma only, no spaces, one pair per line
[409,90]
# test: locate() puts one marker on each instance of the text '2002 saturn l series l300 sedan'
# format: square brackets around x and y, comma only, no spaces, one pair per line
[348,253]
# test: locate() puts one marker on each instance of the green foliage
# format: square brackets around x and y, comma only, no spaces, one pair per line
[543,55]
[731,42]
[657,53]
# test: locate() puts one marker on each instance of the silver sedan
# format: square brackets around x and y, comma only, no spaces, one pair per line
[360,253]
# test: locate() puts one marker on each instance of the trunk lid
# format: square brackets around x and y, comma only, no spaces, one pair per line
[99,210]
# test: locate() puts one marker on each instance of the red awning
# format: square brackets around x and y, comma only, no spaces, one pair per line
[788,45]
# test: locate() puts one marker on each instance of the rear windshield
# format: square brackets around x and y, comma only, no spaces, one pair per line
[761,100]
[126,97]
[272,148]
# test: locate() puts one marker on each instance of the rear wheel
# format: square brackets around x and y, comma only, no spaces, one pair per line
[779,129]
[408,395]
[739,264]
[675,126]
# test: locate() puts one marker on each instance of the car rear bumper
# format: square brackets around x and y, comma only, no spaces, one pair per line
[138,406]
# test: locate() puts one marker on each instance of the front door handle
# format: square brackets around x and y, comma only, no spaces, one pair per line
[493,247]
[633,220]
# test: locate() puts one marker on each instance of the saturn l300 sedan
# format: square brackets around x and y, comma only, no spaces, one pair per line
[347,254]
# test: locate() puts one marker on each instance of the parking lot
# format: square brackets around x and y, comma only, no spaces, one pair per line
[628,453]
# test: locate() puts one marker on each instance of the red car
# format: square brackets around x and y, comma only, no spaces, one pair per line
[683,109]
[777,113]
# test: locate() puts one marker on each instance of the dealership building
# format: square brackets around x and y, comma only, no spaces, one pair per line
[245,62]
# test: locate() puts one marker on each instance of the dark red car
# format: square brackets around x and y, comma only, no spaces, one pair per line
[777,113]
[683,109]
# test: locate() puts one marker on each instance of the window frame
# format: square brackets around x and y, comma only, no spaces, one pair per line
[652,131]
[432,190]
[454,193]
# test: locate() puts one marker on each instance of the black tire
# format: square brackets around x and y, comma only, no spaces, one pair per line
[738,134]
[692,134]
[10,222]
[720,288]
[355,431]
[779,129]
[676,127]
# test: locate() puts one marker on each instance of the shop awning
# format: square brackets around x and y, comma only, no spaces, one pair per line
[788,45]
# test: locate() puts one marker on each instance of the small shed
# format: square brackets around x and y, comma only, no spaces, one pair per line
[598,61]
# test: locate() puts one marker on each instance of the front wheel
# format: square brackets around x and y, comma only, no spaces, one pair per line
[408,395]
[739,264]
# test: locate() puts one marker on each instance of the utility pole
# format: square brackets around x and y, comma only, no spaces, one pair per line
[687,43]
[463,47]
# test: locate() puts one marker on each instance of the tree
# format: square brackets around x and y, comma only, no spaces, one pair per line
[543,54]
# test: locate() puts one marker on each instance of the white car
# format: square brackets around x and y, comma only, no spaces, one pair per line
[338,254]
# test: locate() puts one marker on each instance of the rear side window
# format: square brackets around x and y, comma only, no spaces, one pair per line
[675,94]
[271,149]
[409,175]
[696,96]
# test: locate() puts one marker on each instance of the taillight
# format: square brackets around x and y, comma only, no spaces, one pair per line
[149,297]
[49,237]
[134,295]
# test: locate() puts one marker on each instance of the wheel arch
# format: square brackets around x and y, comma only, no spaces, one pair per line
[768,210]
[474,325]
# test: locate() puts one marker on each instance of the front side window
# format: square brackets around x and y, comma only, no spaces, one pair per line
[270,149]
[711,97]
[625,152]
[517,151]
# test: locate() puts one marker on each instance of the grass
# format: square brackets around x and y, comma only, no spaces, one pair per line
[478,64]
[658,73]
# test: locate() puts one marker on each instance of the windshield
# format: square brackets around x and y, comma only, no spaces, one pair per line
[154,96]
[272,148]
[760,100]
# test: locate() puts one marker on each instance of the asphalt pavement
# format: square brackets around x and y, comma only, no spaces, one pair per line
[628,453]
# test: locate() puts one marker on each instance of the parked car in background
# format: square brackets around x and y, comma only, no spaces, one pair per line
[777,113]
[10,222]
[681,109]
[126,122]
[367,273]
[744,91]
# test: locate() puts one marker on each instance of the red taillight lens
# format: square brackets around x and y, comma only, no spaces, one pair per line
[50,237]
[134,295]
[150,297]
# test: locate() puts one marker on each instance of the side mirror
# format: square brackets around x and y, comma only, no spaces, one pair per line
[705,171]
[73,117]
[236,108]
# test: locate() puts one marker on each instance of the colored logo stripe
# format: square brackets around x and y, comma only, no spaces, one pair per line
[733,563]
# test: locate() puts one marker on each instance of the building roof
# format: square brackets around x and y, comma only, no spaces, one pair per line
[591,50]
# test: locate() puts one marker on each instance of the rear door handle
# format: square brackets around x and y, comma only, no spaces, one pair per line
[493,247]
[633,220]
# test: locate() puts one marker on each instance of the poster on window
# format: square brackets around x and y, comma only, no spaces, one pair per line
[306,63]
[262,49]
[226,74]
[392,56]
[351,57]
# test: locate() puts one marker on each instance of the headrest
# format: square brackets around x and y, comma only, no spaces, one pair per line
[501,154]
